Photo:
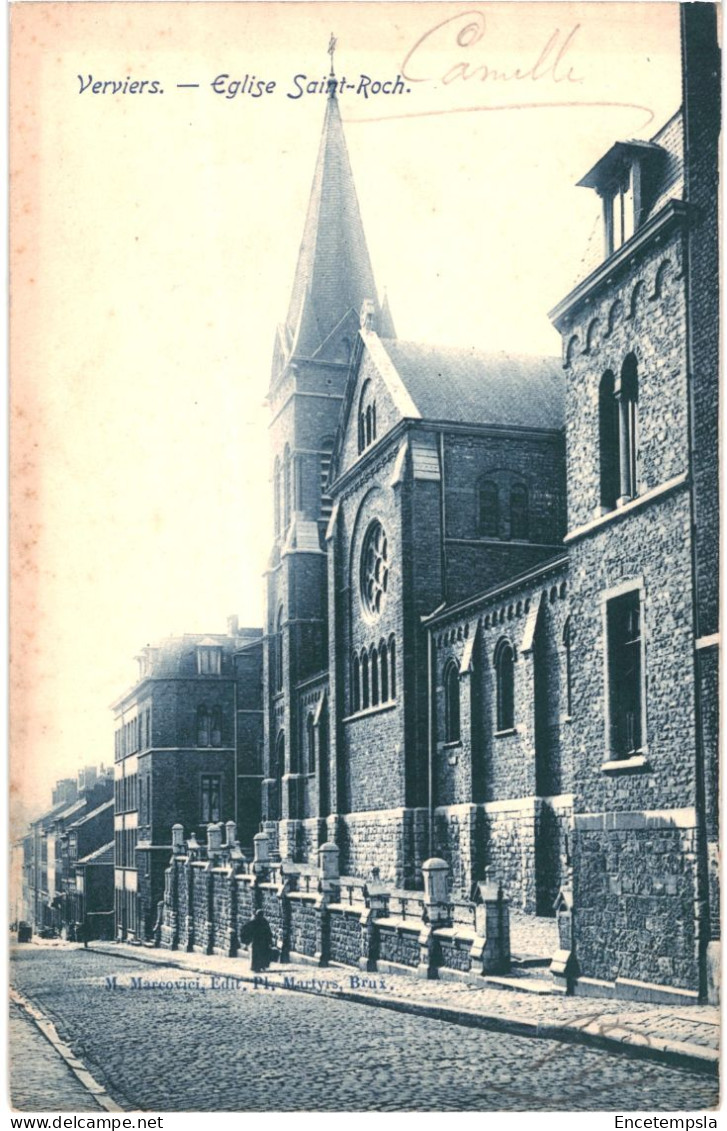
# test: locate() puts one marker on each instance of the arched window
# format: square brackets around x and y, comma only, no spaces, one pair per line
[392,666]
[366,418]
[384,671]
[364,680]
[608,428]
[519,520]
[374,678]
[203,726]
[451,703]
[489,518]
[355,684]
[278,651]
[310,745]
[629,426]
[567,642]
[505,679]
[276,494]
[216,727]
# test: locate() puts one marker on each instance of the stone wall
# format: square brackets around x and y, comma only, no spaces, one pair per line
[637,872]
[345,935]
[317,914]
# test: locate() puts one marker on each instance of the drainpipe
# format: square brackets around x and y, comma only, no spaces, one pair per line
[430,740]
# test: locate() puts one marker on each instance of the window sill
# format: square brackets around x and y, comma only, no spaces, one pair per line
[566,719]
[619,765]
[452,745]
[368,711]
[505,733]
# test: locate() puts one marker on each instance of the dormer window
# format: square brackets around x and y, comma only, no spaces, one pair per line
[366,418]
[625,179]
[209,659]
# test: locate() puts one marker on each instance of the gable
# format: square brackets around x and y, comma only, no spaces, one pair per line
[368,395]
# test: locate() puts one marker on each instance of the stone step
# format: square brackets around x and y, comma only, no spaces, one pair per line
[524,984]
[529,961]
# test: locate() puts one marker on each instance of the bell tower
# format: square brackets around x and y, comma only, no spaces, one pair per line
[311,356]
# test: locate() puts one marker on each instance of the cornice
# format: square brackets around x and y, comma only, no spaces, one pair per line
[673,213]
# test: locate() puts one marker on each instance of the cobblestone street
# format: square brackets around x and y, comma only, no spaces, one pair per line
[240,1049]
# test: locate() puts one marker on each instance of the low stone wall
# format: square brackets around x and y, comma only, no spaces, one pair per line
[315,913]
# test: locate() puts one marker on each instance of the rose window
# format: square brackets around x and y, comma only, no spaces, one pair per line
[374,569]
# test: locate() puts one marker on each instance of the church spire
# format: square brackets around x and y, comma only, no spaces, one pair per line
[333,276]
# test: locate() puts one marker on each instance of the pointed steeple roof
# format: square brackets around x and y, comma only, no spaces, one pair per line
[334,274]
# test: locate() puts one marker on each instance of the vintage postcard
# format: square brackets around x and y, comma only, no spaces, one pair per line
[364,559]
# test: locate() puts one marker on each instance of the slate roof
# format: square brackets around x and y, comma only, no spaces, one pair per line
[94,813]
[334,273]
[70,810]
[103,855]
[468,386]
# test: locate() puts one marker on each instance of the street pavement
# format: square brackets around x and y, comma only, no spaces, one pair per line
[40,1080]
[185,1046]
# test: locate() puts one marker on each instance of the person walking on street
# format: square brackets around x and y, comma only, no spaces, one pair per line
[257,935]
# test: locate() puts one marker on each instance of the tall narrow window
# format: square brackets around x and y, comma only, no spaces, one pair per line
[366,418]
[623,617]
[608,426]
[278,651]
[374,678]
[364,680]
[451,703]
[276,495]
[355,684]
[392,666]
[287,487]
[629,426]
[519,521]
[384,671]
[216,727]
[489,518]
[567,642]
[310,745]
[203,726]
[505,679]
[326,455]
[210,801]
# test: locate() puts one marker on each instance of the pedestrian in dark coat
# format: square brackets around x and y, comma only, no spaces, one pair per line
[257,935]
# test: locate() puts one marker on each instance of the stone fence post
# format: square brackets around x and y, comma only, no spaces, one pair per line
[377,907]
[214,840]
[177,839]
[261,848]
[328,855]
[563,965]
[491,949]
[436,914]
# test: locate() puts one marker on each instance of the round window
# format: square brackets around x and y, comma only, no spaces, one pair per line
[374,569]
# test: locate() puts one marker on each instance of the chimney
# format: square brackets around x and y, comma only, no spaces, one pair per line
[233,625]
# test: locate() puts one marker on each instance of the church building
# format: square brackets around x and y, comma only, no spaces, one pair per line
[492,599]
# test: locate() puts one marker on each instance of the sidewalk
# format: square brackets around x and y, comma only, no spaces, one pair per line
[687,1036]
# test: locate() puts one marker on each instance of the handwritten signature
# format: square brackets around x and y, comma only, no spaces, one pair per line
[469,30]
[550,75]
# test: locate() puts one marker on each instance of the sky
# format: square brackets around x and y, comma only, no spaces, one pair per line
[153,244]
